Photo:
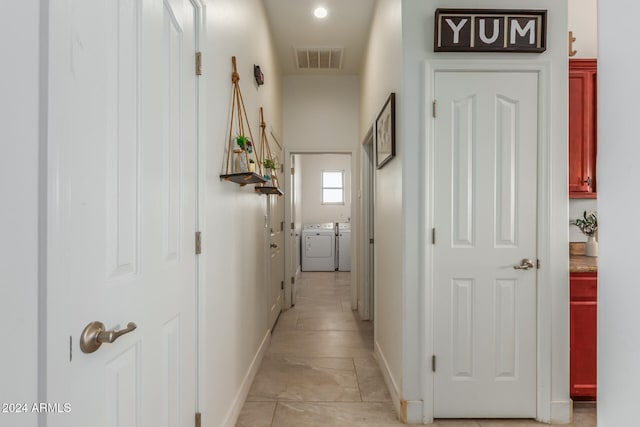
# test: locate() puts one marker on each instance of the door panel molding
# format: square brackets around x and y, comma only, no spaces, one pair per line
[543,235]
[123,155]
[464,165]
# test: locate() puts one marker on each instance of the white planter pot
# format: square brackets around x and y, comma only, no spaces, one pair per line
[591,247]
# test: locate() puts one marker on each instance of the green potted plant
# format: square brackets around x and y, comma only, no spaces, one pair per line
[588,225]
[268,165]
[244,143]
[252,165]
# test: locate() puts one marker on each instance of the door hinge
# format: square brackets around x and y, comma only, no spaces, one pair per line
[435,108]
[538,264]
[433,236]
[293,280]
[371,241]
[198,63]
[281,225]
[198,242]
[433,363]
[293,226]
[198,419]
[282,168]
[282,285]
[293,171]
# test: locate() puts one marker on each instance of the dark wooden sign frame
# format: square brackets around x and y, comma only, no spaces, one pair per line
[516,28]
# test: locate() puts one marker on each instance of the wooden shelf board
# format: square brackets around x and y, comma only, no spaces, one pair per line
[268,190]
[244,178]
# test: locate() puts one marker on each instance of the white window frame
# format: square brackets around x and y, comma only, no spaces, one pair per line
[341,172]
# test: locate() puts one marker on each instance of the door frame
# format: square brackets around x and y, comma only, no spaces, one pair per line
[544,214]
[366,215]
[201,181]
[288,200]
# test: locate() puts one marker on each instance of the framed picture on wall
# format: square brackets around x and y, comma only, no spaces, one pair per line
[386,132]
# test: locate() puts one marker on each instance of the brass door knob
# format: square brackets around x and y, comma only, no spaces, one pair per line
[525,264]
[94,335]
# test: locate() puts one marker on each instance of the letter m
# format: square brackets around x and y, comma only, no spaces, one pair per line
[522,32]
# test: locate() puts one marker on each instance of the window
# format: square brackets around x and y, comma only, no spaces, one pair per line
[333,187]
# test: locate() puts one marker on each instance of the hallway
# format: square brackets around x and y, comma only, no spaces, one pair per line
[319,369]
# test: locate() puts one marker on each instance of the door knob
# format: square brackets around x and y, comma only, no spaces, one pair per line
[525,264]
[94,335]
[273,245]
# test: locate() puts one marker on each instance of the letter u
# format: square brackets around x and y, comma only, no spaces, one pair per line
[483,31]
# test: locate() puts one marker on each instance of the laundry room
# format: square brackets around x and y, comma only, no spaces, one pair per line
[325,211]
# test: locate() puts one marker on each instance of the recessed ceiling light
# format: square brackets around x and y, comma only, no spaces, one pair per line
[320,12]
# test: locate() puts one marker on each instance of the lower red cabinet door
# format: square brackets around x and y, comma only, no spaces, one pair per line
[583,345]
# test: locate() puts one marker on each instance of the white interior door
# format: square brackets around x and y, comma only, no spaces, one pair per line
[276,258]
[294,230]
[276,248]
[122,211]
[365,306]
[486,135]
[293,235]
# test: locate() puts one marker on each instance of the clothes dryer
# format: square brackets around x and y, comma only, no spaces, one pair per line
[318,247]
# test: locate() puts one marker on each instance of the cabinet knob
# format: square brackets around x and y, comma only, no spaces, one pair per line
[587,181]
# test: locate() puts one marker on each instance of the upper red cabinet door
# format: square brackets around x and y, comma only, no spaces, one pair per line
[582,128]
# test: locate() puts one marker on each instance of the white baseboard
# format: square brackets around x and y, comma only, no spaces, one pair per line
[388,379]
[561,411]
[241,396]
[414,412]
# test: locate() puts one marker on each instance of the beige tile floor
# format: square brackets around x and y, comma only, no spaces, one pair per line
[319,370]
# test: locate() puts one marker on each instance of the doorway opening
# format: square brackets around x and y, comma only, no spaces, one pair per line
[319,212]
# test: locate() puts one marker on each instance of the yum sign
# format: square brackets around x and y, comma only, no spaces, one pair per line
[471,30]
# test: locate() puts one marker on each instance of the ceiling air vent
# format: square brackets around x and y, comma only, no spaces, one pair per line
[319,58]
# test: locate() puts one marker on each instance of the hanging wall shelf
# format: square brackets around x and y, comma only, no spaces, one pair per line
[244,178]
[269,190]
[240,154]
[271,186]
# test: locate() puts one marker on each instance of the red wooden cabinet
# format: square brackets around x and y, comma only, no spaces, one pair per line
[582,128]
[583,337]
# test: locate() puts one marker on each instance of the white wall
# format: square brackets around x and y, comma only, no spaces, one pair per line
[381,75]
[19,175]
[234,284]
[312,165]
[618,205]
[320,113]
[583,21]
[418,20]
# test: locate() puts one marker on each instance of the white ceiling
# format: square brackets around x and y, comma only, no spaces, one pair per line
[294,26]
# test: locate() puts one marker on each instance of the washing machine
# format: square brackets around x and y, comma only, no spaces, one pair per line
[319,247]
[343,245]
